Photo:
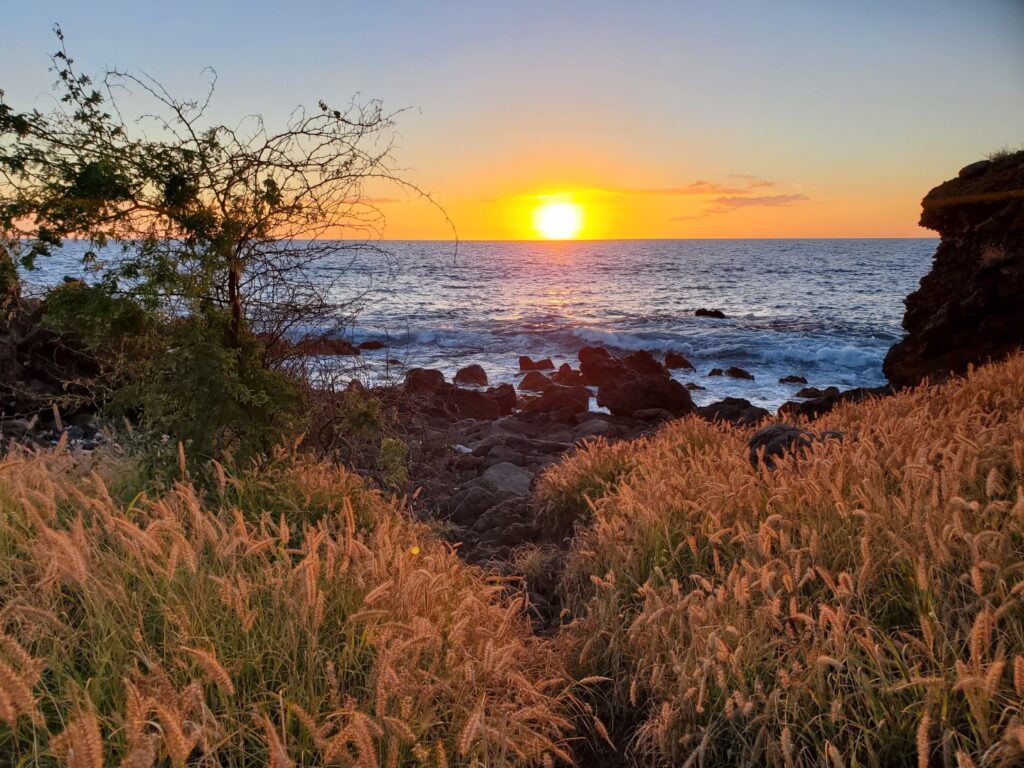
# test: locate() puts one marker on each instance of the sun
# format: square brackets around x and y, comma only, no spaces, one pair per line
[558,220]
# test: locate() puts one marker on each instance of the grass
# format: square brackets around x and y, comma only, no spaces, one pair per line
[290,616]
[859,606]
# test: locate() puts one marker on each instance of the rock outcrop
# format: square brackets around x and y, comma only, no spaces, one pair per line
[968,308]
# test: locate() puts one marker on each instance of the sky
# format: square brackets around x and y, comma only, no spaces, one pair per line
[739,118]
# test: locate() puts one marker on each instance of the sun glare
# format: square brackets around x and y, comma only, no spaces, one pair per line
[558,221]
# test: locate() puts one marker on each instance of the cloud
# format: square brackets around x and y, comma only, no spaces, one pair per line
[699,187]
[725,204]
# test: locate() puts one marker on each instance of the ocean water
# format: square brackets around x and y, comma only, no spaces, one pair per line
[824,309]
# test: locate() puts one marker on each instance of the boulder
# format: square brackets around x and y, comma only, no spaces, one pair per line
[560,403]
[792,379]
[643,362]
[534,381]
[467,403]
[420,381]
[625,398]
[473,375]
[815,407]
[815,392]
[568,377]
[715,313]
[716,372]
[372,344]
[599,367]
[968,308]
[505,396]
[738,373]
[693,387]
[468,505]
[506,479]
[735,410]
[527,364]
[675,360]
[777,440]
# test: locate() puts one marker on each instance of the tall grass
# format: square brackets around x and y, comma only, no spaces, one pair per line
[856,606]
[291,616]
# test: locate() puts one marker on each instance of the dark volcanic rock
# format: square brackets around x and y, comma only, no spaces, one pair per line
[423,380]
[534,381]
[832,397]
[568,377]
[624,398]
[715,313]
[675,360]
[643,362]
[371,345]
[528,364]
[779,439]
[693,387]
[599,367]
[472,374]
[792,379]
[467,403]
[738,373]
[560,402]
[733,409]
[968,309]
[815,392]
[505,396]
[716,372]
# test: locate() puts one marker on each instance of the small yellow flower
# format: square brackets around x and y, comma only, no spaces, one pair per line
[414,550]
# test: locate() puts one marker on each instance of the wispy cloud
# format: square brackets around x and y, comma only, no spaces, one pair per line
[725,204]
[697,188]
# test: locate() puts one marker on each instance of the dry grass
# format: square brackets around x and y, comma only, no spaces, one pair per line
[290,617]
[858,606]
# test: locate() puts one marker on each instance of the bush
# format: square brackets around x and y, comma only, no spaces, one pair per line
[271,626]
[856,606]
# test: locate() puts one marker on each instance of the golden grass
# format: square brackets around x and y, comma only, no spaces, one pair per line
[289,617]
[860,605]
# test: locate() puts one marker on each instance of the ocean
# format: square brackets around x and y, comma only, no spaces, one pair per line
[824,309]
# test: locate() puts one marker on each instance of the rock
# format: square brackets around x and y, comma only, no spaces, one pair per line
[423,380]
[505,396]
[968,308]
[468,505]
[595,428]
[694,387]
[643,362]
[506,479]
[815,392]
[832,397]
[534,381]
[599,367]
[371,345]
[739,373]
[468,403]
[675,360]
[323,346]
[526,364]
[473,375]
[624,398]
[652,414]
[715,313]
[792,379]
[15,428]
[568,377]
[560,403]
[501,453]
[716,372]
[779,439]
[735,410]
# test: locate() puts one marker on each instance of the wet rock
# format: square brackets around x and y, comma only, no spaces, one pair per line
[715,313]
[674,360]
[473,375]
[738,373]
[324,347]
[792,379]
[815,392]
[693,387]
[561,403]
[568,377]
[777,440]
[420,381]
[968,308]
[716,372]
[599,367]
[643,363]
[528,364]
[371,345]
[624,398]
[534,381]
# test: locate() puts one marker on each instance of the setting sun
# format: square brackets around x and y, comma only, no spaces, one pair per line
[558,221]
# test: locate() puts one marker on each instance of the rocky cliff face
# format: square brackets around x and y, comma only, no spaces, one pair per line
[970,307]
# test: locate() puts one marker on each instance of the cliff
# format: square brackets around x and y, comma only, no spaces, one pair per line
[968,308]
